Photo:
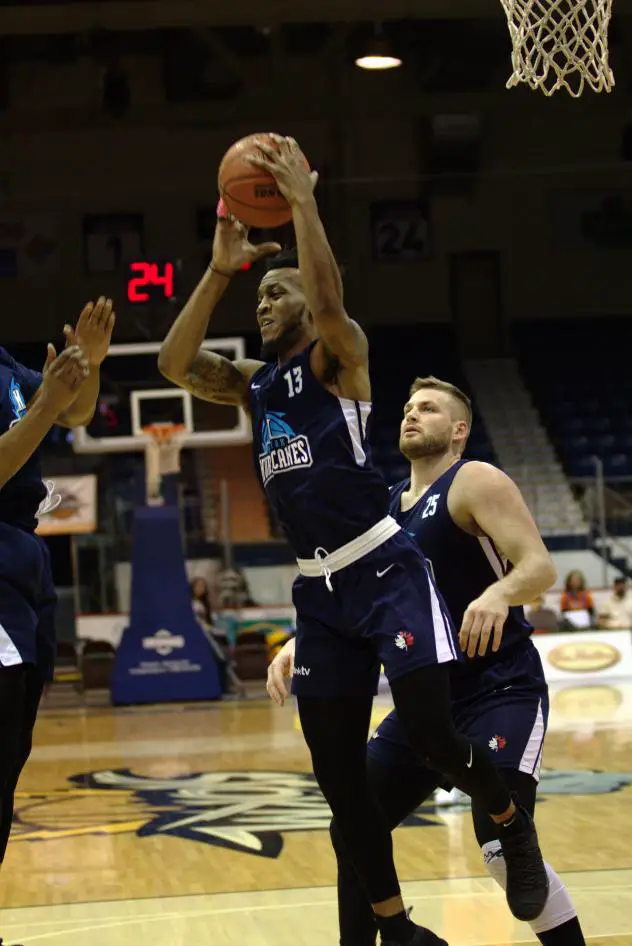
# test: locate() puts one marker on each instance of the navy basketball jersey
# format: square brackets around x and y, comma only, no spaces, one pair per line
[20,498]
[463,565]
[312,457]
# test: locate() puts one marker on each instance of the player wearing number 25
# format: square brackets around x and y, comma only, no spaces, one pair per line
[364,594]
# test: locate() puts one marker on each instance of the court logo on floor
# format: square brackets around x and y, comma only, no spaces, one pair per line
[243,811]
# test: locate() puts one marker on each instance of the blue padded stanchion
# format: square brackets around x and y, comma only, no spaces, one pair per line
[164,655]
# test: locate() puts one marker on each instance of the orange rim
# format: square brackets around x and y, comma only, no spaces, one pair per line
[163,432]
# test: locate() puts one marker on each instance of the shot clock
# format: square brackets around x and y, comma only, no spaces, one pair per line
[152,281]
[156,280]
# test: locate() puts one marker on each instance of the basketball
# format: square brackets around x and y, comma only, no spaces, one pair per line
[250,193]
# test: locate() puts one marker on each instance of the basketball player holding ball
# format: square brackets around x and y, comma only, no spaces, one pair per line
[364,595]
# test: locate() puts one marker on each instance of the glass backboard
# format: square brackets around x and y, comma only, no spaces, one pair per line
[135,394]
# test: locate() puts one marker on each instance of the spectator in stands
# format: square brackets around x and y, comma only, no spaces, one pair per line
[233,589]
[201,600]
[616,611]
[576,604]
[543,620]
[220,645]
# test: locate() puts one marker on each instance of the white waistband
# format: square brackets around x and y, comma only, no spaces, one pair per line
[325,563]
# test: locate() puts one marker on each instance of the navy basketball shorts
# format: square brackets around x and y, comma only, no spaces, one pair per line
[510,720]
[384,609]
[27,601]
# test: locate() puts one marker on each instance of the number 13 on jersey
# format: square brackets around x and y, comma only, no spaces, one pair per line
[294,380]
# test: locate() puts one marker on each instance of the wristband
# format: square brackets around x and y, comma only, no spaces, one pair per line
[221,272]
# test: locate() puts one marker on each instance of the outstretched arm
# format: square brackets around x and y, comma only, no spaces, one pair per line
[341,335]
[92,334]
[208,374]
[62,384]
[320,275]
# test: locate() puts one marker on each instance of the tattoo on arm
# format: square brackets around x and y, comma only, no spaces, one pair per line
[212,377]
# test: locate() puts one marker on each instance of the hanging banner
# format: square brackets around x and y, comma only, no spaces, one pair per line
[70,507]
[29,246]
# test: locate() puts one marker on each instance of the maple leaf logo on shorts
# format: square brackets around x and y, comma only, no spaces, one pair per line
[497,742]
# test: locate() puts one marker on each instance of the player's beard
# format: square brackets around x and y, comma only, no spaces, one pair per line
[287,338]
[430,445]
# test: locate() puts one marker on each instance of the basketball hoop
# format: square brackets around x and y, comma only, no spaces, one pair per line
[162,455]
[560,44]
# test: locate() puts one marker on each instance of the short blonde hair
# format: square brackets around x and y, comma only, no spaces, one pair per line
[435,384]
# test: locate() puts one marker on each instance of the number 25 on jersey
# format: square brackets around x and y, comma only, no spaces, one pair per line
[431,506]
[294,380]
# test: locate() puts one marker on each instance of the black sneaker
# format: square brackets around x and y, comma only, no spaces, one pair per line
[421,937]
[527,880]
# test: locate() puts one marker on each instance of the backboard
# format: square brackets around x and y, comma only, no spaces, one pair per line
[135,394]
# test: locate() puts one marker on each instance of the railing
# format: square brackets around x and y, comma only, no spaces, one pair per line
[600,503]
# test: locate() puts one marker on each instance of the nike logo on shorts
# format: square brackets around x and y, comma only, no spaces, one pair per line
[385,570]
[469,764]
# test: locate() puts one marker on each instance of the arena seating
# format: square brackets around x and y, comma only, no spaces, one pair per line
[579,376]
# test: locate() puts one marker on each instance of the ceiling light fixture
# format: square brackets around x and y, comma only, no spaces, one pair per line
[379,55]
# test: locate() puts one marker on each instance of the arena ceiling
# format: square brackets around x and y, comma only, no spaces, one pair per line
[50,16]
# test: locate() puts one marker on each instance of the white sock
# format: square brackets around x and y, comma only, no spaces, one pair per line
[559,907]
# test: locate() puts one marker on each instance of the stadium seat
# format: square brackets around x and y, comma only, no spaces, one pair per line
[577,394]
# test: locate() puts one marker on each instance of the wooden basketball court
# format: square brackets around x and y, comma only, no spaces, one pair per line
[201,823]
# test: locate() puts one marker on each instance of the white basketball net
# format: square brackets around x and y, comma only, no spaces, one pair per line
[560,44]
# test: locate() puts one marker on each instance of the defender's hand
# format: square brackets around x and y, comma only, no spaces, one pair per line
[484,617]
[286,164]
[231,246]
[93,332]
[63,376]
[279,670]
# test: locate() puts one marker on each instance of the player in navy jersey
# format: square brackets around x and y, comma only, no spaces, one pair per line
[488,559]
[364,595]
[31,402]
